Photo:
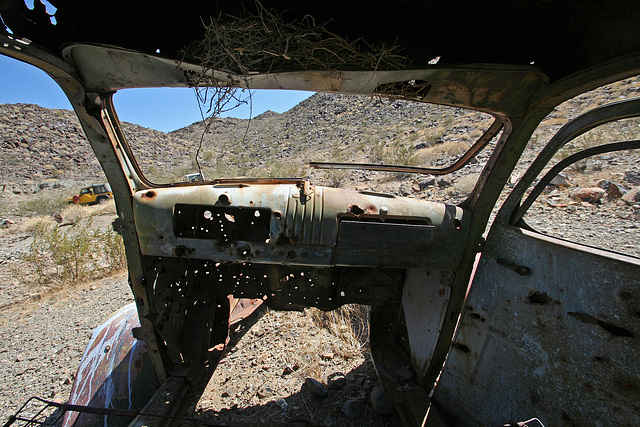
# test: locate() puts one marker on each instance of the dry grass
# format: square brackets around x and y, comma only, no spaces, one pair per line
[330,338]
[350,323]
[448,149]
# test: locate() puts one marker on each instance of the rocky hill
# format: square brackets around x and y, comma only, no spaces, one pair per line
[38,144]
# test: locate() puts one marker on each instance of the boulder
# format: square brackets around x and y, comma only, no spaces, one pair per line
[589,194]
[612,190]
[353,408]
[379,402]
[430,181]
[632,196]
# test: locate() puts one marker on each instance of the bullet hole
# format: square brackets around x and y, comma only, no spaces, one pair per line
[463,348]
[477,316]
[536,297]
[626,295]
[356,210]
[609,327]
[614,329]
[182,250]
[224,198]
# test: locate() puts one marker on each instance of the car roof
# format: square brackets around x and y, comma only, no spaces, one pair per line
[558,37]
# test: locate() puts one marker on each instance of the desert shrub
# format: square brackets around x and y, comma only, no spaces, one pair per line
[73,254]
[285,169]
[375,151]
[400,154]
[111,246]
[448,150]
[336,177]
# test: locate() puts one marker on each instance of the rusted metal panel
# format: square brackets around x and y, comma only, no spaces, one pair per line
[384,244]
[200,223]
[505,90]
[115,372]
[559,343]
[242,308]
[425,297]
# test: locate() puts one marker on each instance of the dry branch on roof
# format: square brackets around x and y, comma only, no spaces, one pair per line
[264,42]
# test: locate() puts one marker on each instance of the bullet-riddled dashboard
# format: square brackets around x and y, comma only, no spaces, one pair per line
[297,224]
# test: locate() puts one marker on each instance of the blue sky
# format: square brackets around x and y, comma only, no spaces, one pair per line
[161,109]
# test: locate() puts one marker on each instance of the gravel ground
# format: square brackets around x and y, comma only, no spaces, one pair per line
[42,341]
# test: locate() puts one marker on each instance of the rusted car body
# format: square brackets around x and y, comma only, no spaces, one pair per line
[448,299]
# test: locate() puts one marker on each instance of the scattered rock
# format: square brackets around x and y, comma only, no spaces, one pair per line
[289,369]
[265,391]
[316,388]
[230,391]
[380,403]
[589,195]
[327,356]
[561,180]
[426,183]
[352,408]
[282,404]
[632,196]
[612,190]
[632,177]
[336,381]
[406,373]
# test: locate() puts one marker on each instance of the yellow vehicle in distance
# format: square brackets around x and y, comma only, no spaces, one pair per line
[92,195]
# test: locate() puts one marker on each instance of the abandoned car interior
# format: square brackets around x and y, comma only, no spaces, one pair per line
[500,323]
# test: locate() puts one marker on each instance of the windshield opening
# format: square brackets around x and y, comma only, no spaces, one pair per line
[324,128]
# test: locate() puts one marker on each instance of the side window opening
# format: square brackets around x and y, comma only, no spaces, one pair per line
[590,192]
